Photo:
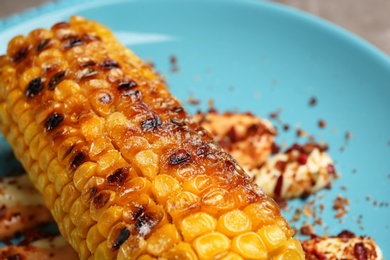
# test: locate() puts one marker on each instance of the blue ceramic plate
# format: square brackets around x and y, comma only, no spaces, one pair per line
[259,56]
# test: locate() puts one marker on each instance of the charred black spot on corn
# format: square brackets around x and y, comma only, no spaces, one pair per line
[151,123]
[145,223]
[42,45]
[127,85]
[105,98]
[34,87]
[57,78]
[85,73]
[123,235]
[101,199]
[72,42]
[53,121]
[108,64]
[179,156]
[78,159]
[20,55]
[118,177]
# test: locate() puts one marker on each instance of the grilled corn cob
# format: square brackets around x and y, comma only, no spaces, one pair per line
[124,171]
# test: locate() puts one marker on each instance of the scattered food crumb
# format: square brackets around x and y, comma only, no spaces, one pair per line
[286,127]
[301,133]
[211,103]
[321,123]
[307,229]
[340,204]
[173,61]
[297,215]
[368,197]
[354,171]
[274,82]
[343,187]
[192,101]
[313,101]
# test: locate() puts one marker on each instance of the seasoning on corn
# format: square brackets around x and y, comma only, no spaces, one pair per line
[103,140]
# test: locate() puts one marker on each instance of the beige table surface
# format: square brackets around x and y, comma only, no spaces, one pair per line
[370,19]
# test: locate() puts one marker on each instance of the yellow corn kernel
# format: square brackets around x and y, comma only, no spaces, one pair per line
[132,248]
[101,202]
[262,213]
[197,224]
[164,186]
[232,256]
[65,89]
[103,252]
[51,195]
[250,246]
[78,208]
[83,174]
[182,250]
[182,204]
[94,238]
[92,128]
[108,218]
[147,162]
[106,161]
[211,245]
[162,240]
[146,257]
[283,224]
[68,196]
[289,254]
[234,223]
[272,236]
[217,201]
[198,184]
[135,186]
[83,250]
[291,244]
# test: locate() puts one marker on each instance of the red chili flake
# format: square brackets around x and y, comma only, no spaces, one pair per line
[281,166]
[360,251]
[279,186]
[346,234]
[302,159]
[313,101]
[275,148]
[330,168]
[348,135]
[307,230]
[3,211]
[321,123]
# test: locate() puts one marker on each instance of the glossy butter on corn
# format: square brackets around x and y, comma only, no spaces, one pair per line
[123,170]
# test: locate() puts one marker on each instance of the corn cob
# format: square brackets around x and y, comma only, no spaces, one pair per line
[124,171]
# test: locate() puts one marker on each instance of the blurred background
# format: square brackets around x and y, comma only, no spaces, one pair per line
[369,19]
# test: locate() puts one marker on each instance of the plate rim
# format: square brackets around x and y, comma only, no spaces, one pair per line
[338,31]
